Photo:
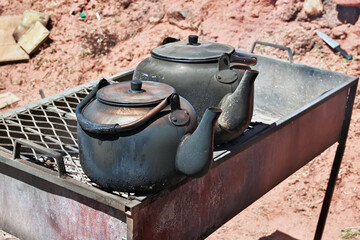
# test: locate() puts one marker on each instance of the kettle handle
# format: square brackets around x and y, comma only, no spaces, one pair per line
[225,60]
[113,128]
[243,60]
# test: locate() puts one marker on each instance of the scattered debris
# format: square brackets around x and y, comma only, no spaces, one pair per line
[98,16]
[350,232]
[184,13]
[313,7]
[155,18]
[100,43]
[178,14]
[255,13]
[7,98]
[41,92]
[34,37]
[339,32]
[290,12]
[303,44]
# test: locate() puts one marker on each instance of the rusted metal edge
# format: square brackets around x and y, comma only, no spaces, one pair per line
[336,165]
[237,146]
[51,176]
[234,147]
[68,183]
[57,156]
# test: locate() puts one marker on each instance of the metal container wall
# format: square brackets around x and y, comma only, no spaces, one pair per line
[243,176]
[299,112]
[33,208]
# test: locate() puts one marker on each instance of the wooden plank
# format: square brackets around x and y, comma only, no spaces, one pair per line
[10,22]
[34,37]
[12,52]
[6,37]
[7,27]
[9,50]
[7,99]
[30,17]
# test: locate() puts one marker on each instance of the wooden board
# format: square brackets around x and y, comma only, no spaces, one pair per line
[13,52]
[7,99]
[10,22]
[9,49]
[29,19]
[34,37]
[7,27]
[6,38]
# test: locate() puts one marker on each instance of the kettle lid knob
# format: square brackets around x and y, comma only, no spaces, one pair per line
[193,39]
[136,85]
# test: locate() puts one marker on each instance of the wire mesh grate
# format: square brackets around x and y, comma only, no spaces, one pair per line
[52,125]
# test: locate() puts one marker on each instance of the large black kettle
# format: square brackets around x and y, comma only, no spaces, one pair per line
[206,74]
[140,137]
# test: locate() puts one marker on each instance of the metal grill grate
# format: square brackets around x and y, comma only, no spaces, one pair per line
[52,125]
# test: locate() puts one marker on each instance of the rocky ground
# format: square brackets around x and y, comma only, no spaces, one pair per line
[81,50]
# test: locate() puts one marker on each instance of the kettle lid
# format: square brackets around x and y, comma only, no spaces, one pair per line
[134,93]
[191,51]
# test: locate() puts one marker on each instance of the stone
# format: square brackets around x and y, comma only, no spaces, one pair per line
[155,18]
[339,32]
[185,13]
[313,7]
[290,12]
[178,14]
[255,13]
[34,37]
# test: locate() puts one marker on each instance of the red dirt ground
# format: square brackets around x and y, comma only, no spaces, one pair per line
[80,51]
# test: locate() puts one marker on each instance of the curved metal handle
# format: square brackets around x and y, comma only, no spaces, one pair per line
[57,156]
[243,60]
[169,40]
[113,128]
[274,46]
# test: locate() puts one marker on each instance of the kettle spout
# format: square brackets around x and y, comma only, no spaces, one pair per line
[237,109]
[195,153]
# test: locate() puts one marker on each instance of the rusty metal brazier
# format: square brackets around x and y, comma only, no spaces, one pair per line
[140,136]
[206,74]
